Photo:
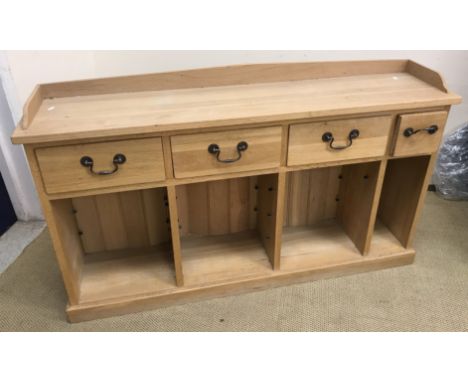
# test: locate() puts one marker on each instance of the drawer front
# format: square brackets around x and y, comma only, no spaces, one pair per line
[329,141]
[191,156]
[419,133]
[62,170]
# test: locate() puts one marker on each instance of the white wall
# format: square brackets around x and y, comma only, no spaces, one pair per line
[13,165]
[28,68]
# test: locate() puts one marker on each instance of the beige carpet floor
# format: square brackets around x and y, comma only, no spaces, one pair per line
[430,295]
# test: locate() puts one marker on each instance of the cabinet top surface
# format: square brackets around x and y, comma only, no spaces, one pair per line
[170,102]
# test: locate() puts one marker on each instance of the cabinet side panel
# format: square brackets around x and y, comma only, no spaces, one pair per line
[70,269]
[68,232]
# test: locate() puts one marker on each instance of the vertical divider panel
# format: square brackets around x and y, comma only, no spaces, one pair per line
[239,204]
[279,219]
[156,216]
[403,194]
[358,195]
[431,161]
[375,204]
[175,234]
[270,191]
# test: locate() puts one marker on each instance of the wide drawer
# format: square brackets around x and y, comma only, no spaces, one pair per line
[419,133]
[329,141]
[63,168]
[226,151]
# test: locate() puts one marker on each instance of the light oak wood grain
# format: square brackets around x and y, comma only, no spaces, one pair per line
[327,244]
[32,105]
[134,219]
[174,225]
[57,213]
[227,75]
[67,240]
[267,214]
[191,156]
[113,114]
[359,190]
[422,142]
[279,219]
[219,207]
[306,144]
[212,259]
[175,234]
[404,186]
[386,252]
[347,194]
[89,224]
[125,273]
[156,215]
[61,169]
[311,196]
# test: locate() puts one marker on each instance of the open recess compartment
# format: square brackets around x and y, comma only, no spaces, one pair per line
[120,241]
[227,228]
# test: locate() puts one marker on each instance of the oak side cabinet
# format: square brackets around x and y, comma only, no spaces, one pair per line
[171,187]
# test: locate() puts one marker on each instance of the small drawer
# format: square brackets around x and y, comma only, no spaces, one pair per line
[320,142]
[99,165]
[419,133]
[226,151]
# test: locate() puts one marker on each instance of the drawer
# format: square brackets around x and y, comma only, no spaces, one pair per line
[419,133]
[62,170]
[320,142]
[226,151]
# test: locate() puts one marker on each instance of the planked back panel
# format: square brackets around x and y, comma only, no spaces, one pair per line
[311,196]
[218,207]
[125,220]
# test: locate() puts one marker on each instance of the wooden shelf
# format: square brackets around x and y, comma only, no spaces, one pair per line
[213,259]
[327,244]
[116,274]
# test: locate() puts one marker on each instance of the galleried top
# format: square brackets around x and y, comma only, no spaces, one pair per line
[225,96]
